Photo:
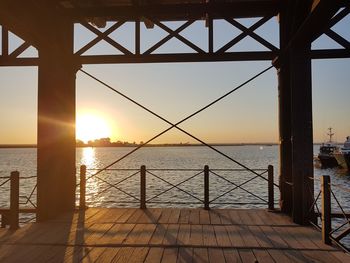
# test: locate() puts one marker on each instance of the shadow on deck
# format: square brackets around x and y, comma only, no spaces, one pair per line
[167,235]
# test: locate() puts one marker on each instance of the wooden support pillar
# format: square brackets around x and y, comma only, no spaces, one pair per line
[302,135]
[285,122]
[301,119]
[285,143]
[295,113]
[56,123]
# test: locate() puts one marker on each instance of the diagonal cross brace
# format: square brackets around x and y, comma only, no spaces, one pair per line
[337,38]
[104,36]
[99,37]
[338,17]
[247,32]
[18,51]
[168,37]
[174,33]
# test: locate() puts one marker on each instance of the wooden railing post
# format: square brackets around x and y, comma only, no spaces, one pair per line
[206,187]
[4,220]
[326,209]
[271,201]
[143,187]
[82,200]
[14,200]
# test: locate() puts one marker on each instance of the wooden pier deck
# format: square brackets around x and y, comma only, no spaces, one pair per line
[167,235]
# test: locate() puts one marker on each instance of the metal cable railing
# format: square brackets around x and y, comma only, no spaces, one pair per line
[19,203]
[195,185]
[340,231]
[334,223]
[180,186]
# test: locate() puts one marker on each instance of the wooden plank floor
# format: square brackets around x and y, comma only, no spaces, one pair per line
[167,235]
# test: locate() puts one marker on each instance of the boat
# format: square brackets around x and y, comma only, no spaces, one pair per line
[326,154]
[342,155]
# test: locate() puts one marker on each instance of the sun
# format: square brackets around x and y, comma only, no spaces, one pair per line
[91,126]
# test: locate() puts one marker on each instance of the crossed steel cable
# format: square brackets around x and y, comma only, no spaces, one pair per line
[176,124]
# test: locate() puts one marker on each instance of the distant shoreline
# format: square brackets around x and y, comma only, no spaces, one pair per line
[148,145]
[18,146]
[13,146]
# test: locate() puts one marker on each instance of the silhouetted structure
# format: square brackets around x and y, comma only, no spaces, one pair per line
[48,26]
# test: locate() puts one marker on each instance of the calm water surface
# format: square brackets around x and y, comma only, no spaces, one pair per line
[254,157]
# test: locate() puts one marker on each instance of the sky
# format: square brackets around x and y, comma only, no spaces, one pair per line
[175,90]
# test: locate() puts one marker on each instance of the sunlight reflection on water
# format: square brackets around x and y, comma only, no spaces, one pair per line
[88,156]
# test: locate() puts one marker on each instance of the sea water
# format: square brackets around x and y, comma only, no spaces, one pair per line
[157,160]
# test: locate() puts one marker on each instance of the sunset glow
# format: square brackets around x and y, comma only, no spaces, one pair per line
[91,127]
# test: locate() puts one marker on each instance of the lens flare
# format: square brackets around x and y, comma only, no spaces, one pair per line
[91,127]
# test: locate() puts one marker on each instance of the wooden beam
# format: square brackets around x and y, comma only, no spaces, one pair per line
[21,210]
[336,215]
[180,11]
[173,58]
[181,57]
[34,21]
[151,58]
[330,53]
[9,62]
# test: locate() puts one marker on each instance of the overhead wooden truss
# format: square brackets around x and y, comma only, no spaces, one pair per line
[195,53]
[127,54]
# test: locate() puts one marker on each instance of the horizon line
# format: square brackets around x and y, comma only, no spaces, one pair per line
[34,145]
